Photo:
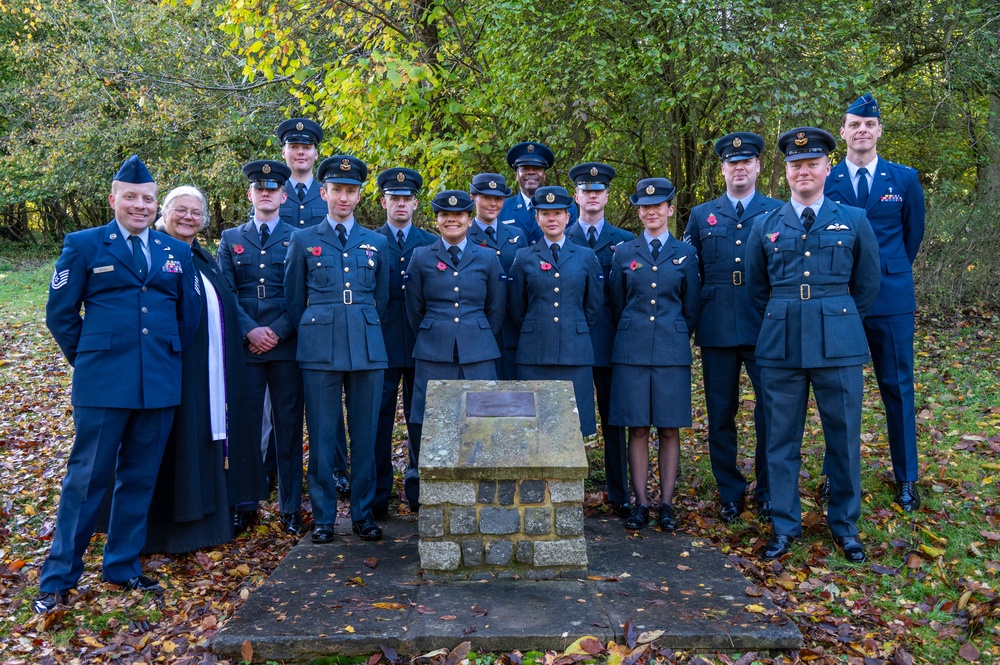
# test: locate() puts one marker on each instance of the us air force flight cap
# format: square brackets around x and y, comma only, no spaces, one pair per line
[864,106]
[133,171]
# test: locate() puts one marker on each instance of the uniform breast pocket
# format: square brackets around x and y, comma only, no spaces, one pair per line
[365,272]
[318,275]
[837,252]
[245,271]
[714,244]
[783,256]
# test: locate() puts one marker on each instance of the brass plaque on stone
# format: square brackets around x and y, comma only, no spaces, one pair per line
[519,404]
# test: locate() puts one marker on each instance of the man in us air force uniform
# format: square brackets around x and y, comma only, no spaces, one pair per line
[812,271]
[593,181]
[728,328]
[337,285]
[893,201]
[530,161]
[142,300]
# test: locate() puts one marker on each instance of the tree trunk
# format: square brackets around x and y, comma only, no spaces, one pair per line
[988,180]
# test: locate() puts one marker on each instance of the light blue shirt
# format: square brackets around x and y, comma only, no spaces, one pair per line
[852,170]
[597,226]
[348,225]
[143,239]
[649,239]
[799,207]
[270,225]
[745,200]
[295,183]
[483,226]
[396,230]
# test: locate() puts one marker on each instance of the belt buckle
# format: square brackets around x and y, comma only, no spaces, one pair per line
[261,292]
[348,297]
[805,292]
[737,278]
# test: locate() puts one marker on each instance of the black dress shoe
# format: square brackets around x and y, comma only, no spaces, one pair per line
[638,518]
[668,520]
[764,512]
[293,524]
[907,497]
[141,583]
[620,509]
[343,483]
[411,488]
[243,520]
[322,534]
[731,511]
[45,602]
[854,551]
[777,547]
[823,493]
[367,529]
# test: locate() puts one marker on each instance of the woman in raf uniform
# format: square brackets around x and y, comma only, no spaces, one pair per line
[556,294]
[655,296]
[212,463]
[455,300]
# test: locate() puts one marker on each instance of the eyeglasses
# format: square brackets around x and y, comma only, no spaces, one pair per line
[196,213]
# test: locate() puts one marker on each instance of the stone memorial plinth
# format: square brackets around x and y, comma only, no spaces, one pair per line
[502,466]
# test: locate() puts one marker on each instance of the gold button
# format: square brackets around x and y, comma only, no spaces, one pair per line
[456,319]
[555,290]
[454,274]
[555,319]
[555,304]
[347,285]
[653,285]
[652,318]
[805,274]
[655,268]
[739,242]
[808,254]
[739,226]
[738,259]
[556,275]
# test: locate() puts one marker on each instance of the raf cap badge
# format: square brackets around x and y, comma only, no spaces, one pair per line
[400,176]
[650,189]
[265,169]
[531,148]
[493,184]
[345,165]
[593,170]
[550,197]
[452,200]
[800,139]
[737,142]
[299,126]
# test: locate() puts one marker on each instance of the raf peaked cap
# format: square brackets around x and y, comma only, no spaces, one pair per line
[400,181]
[452,200]
[133,171]
[739,146]
[592,175]
[806,143]
[266,174]
[551,198]
[864,106]
[652,191]
[343,169]
[489,184]
[299,130]
[530,153]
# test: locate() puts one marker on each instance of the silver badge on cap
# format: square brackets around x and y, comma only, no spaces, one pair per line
[550,197]
[452,200]
[400,176]
[737,142]
[650,189]
[493,184]
[530,148]
[265,169]
[299,126]
[593,170]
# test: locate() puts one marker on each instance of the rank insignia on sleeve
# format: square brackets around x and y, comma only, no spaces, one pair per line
[197,285]
[59,278]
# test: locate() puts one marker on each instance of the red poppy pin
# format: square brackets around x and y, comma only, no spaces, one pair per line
[238,249]
[774,236]
[712,221]
[316,251]
[441,266]
[545,265]
[635,265]
[482,244]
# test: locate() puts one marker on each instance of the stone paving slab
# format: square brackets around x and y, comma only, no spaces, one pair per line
[349,597]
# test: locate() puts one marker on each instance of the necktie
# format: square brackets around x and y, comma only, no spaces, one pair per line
[591,236]
[301,189]
[138,258]
[555,251]
[265,233]
[341,233]
[739,209]
[862,187]
[400,239]
[808,217]
[655,244]
[491,234]
[454,251]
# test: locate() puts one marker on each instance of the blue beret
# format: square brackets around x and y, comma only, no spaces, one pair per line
[133,171]
[452,200]
[551,198]
[739,146]
[592,175]
[344,169]
[400,181]
[266,174]
[299,130]
[530,153]
[806,143]
[489,184]
[864,106]
[652,191]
